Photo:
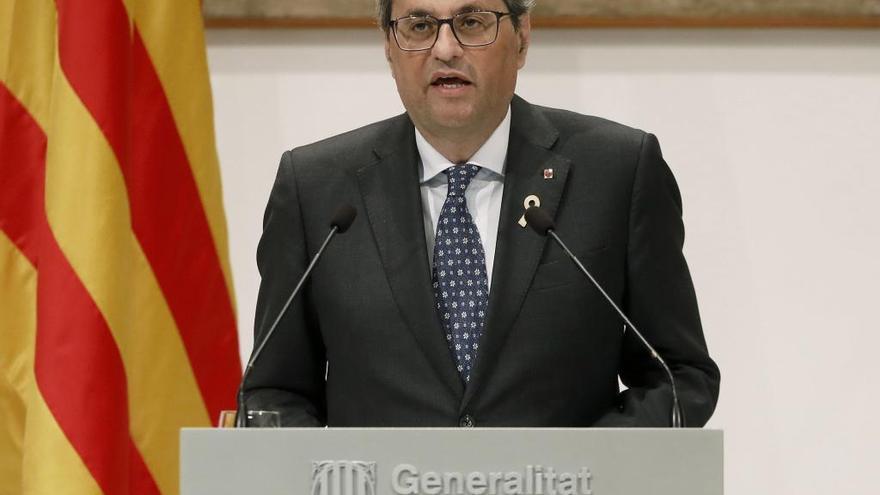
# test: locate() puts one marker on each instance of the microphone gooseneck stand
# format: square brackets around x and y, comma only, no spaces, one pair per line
[541,223]
[341,222]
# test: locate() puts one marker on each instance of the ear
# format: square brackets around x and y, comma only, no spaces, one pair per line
[525,37]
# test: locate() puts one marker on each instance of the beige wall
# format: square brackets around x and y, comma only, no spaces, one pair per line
[774,137]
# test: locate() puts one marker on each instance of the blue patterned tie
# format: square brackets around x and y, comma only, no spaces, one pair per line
[461,290]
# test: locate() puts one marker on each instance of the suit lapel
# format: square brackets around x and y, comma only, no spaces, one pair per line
[390,190]
[518,250]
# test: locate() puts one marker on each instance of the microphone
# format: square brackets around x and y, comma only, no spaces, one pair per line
[340,222]
[541,223]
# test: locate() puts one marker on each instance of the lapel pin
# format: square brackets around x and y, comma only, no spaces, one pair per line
[548,173]
[530,201]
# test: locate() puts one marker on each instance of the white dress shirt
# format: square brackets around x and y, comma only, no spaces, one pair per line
[483,195]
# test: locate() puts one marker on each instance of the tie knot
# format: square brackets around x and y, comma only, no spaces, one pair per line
[459,177]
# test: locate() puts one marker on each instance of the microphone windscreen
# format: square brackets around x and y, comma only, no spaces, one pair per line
[343,218]
[539,220]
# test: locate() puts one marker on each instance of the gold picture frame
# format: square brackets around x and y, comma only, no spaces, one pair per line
[569,13]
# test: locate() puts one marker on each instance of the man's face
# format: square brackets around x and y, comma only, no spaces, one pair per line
[451,87]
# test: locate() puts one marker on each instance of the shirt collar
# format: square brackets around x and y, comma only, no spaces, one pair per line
[490,156]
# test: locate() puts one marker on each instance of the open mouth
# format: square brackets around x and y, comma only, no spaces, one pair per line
[450,82]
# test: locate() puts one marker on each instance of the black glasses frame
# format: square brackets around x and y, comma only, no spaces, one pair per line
[392,24]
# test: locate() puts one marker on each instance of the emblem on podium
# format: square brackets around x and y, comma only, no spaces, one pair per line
[343,478]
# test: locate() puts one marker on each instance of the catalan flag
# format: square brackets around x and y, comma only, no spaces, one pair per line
[117,320]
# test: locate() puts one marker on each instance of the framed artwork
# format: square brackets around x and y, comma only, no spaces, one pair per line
[569,13]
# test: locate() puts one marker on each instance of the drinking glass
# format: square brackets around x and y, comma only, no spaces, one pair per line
[254,419]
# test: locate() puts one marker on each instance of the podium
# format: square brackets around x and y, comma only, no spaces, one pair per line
[477,461]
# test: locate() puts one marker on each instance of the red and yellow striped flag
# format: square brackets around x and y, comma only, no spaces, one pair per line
[117,320]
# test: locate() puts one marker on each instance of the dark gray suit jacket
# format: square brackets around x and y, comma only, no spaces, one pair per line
[363,346]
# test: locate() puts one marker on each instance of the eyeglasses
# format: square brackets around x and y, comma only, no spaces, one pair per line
[415,33]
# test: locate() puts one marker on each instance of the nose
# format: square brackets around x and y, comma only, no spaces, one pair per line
[447,47]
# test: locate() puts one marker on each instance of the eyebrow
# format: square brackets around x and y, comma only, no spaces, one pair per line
[468,7]
[417,13]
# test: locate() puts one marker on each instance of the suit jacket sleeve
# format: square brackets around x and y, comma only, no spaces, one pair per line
[289,376]
[660,299]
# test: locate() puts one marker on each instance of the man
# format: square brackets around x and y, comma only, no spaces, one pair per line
[437,307]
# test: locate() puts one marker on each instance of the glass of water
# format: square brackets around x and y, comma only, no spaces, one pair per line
[254,419]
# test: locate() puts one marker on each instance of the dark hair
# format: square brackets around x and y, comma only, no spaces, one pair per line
[517,8]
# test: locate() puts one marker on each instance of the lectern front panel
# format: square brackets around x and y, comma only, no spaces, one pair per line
[473,461]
